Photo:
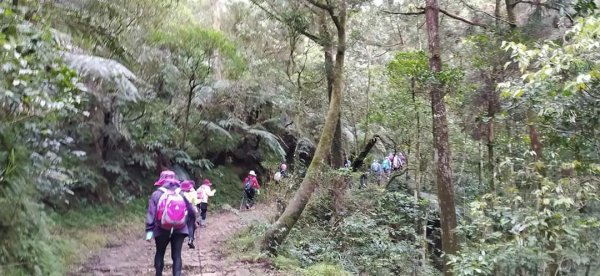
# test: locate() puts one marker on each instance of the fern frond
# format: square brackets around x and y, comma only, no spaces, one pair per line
[233,122]
[271,141]
[104,71]
[214,128]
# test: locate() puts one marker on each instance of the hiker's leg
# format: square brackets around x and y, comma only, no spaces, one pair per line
[203,209]
[161,247]
[191,224]
[176,244]
[248,197]
[251,196]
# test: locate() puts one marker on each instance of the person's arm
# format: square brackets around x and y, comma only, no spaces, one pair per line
[190,208]
[256,185]
[151,212]
[210,192]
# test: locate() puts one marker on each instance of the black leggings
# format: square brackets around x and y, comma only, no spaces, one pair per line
[250,194]
[203,208]
[191,224]
[162,241]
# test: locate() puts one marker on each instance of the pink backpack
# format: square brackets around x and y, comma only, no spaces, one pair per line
[172,210]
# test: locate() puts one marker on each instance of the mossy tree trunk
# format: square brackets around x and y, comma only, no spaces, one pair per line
[277,233]
[440,136]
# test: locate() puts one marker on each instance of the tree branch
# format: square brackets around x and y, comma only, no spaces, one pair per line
[453,16]
[535,3]
[320,5]
[545,5]
[480,11]
[405,13]
[310,36]
[329,8]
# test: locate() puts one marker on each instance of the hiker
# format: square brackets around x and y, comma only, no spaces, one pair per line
[281,172]
[166,223]
[251,188]
[163,176]
[204,192]
[386,165]
[187,187]
[396,163]
[402,159]
[376,170]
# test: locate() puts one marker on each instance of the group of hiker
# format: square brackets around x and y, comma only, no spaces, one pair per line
[176,208]
[383,170]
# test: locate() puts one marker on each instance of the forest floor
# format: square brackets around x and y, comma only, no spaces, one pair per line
[131,255]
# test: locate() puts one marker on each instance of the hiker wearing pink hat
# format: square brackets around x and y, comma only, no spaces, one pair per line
[204,192]
[187,187]
[166,221]
[164,176]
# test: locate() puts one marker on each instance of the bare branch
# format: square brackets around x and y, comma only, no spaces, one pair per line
[453,16]
[480,11]
[535,3]
[462,19]
[310,36]
[405,13]
[320,5]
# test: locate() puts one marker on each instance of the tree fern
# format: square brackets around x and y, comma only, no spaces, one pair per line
[101,71]
[214,128]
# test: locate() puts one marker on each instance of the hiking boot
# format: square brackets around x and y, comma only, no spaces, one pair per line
[247,206]
[191,245]
[203,223]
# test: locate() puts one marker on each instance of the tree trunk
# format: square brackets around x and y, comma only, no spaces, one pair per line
[187,115]
[216,25]
[421,224]
[497,10]
[277,233]
[491,114]
[510,13]
[359,160]
[534,137]
[440,137]
[417,153]
[335,158]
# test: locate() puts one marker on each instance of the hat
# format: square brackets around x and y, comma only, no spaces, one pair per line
[164,175]
[165,181]
[284,166]
[206,182]
[187,185]
[252,173]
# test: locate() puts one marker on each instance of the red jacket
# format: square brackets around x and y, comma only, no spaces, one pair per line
[252,178]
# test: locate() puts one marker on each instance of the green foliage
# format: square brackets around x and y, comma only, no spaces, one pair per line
[376,236]
[196,46]
[326,270]
[509,233]
[36,90]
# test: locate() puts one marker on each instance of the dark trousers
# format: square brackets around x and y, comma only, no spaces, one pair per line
[250,195]
[191,224]
[162,241]
[203,209]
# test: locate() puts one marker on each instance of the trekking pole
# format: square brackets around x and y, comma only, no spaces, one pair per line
[242,201]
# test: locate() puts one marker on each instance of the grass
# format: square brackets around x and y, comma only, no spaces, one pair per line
[85,229]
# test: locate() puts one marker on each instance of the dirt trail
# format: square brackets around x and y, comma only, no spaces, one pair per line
[134,256]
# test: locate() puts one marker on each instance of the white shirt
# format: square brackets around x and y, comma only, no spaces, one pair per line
[204,191]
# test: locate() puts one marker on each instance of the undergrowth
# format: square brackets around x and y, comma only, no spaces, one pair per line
[375,236]
[86,229]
